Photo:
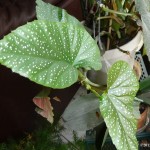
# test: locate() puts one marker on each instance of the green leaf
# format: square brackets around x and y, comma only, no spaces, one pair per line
[120,8]
[44,92]
[117,106]
[143,6]
[83,113]
[105,138]
[46,11]
[145,85]
[146,31]
[49,53]
[116,26]
[145,96]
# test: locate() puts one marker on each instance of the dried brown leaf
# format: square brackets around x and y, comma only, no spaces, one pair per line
[46,109]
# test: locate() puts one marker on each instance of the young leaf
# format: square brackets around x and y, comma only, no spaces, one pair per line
[117,106]
[105,137]
[45,108]
[46,11]
[49,53]
[81,114]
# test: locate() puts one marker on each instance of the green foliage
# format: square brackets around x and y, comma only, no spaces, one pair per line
[145,96]
[45,138]
[46,11]
[49,53]
[117,106]
[145,85]
[143,6]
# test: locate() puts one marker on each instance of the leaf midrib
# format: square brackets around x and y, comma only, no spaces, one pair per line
[118,112]
[36,57]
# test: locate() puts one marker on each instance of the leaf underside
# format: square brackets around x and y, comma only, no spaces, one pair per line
[49,53]
[117,106]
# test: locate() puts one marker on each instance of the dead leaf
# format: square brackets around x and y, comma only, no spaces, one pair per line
[57,99]
[46,109]
[97,114]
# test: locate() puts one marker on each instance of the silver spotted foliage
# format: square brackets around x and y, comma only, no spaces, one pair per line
[117,106]
[49,53]
[46,11]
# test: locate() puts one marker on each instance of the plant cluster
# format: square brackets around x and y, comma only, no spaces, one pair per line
[55,50]
[47,137]
[113,21]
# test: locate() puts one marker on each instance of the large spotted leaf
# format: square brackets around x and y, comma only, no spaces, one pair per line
[117,106]
[49,53]
[46,11]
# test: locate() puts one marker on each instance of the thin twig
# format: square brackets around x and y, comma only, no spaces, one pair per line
[99,39]
[111,17]
[69,141]
[109,31]
[94,34]
[115,12]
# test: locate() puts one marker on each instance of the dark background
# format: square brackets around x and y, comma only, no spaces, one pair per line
[17,113]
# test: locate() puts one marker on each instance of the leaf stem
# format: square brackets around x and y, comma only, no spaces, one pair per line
[115,12]
[109,31]
[111,17]
[138,99]
[87,83]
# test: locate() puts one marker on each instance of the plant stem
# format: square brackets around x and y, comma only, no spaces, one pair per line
[87,83]
[94,29]
[96,94]
[99,38]
[115,12]
[132,5]
[111,17]
[137,99]
[109,31]
[91,83]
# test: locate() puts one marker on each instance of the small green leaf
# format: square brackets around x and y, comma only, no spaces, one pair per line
[105,137]
[46,11]
[117,106]
[49,53]
[145,85]
[145,96]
